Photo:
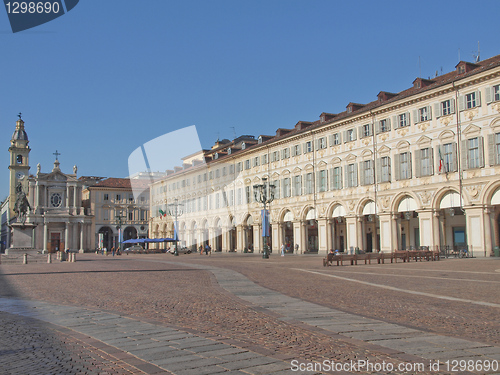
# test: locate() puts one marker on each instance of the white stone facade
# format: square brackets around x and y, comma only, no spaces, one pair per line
[416,168]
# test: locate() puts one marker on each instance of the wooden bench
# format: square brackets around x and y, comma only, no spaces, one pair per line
[381,257]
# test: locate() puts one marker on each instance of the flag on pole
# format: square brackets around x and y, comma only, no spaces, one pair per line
[441,161]
[162,213]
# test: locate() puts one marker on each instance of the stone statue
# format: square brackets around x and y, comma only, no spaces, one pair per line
[22,205]
[75,169]
[38,168]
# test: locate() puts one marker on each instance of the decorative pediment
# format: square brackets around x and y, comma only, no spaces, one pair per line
[248,181]
[495,123]
[336,160]
[322,164]
[275,175]
[446,135]
[384,150]
[285,172]
[424,141]
[350,157]
[367,154]
[296,170]
[308,167]
[403,145]
[472,130]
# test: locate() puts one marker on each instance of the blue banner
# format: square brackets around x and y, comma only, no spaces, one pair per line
[264,214]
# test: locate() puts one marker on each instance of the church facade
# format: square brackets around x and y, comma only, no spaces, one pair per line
[52,218]
[410,169]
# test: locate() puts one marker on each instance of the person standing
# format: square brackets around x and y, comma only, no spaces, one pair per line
[283,250]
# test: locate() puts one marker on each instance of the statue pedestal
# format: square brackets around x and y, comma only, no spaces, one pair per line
[23,237]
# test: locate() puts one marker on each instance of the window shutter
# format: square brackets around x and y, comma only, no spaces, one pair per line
[397,167]
[330,140]
[437,109]
[429,112]
[415,116]
[388,124]
[454,162]
[431,161]
[356,174]
[370,127]
[478,98]
[346,172]
[464,155]
[489,94]
[481,151]
[378,170]
[461,102]
[408,119]
[341,184]
[437,160]
[418,163]
[372,170]
[452,105]
[304,150]
[377,127]
[345,136]
[299,150]
[389,167]
[362,174]
[340,137]
[395,122]
[492,158]
[360,132]
[354,134]
[409,165]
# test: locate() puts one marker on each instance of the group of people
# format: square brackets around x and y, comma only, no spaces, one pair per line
[288,248]
[104,251]
[207,250]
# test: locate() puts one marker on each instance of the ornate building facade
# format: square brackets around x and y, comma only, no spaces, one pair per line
[410,169]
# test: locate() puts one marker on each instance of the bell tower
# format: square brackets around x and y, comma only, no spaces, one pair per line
[19,162]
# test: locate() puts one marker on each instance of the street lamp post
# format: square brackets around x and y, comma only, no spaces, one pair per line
[119,227]
[264,193]
[175,211]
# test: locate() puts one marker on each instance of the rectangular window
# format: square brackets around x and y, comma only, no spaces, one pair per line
[496,93]
[297,185]
[142,215]
[423,114]
[256,161]
[335,139]
[473,153]
[286,188]
[309,183]
[131,197]
[385,173]
[131,215]
[231,198]
[368,172]
[211,175]
[322,143]
[276,184]
[447,156]
[425,162]
[275,156]
[497,147]
[446,107]
[204,177]
[350,135]
[199,178]
[106,196]
[217,173]
[106,214]
[403,120]
[247,195]
[217,200]
[239,167]
[366,130]
[231,169]
[336,177]
[322,181]
[296,150]
[470,100]
[352,175]
[264,159]
[308,147]
[239,197]
[285,153]
[247,164]
[404,165]
[118,197]
[224,171]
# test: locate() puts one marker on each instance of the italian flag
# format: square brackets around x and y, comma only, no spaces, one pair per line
[162,213]
[441,162]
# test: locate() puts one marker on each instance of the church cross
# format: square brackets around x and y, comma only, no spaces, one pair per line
[56,154]
[19,115]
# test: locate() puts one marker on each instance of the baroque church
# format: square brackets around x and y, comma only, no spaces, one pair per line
[44,211]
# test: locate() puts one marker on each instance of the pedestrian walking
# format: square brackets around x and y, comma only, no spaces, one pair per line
[283,250]
[296,248]
[209,250]
[113,251]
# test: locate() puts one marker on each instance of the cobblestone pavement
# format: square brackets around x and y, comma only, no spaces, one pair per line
[301,314]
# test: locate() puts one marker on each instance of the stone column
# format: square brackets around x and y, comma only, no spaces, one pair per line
[395,231]
[297,236]
[386,228]
[75,205]
[475,231]
[45,237]
[66,236]
[277,235]
[240,244]
[351,234]
[81,237]
[323,235]
[488,240]
[427,227]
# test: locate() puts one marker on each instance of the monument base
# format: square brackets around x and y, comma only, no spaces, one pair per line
[23,239]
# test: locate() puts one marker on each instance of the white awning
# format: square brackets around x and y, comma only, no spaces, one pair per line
[311,215]
[369,208]
[449,200]
[288,216]
[407,204]
[495,199]
[338,211]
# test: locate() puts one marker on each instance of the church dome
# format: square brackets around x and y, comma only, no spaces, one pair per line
[20,134]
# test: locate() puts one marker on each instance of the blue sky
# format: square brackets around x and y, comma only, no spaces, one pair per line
[111,75]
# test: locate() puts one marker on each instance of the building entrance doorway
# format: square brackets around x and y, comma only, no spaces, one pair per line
[55,242]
